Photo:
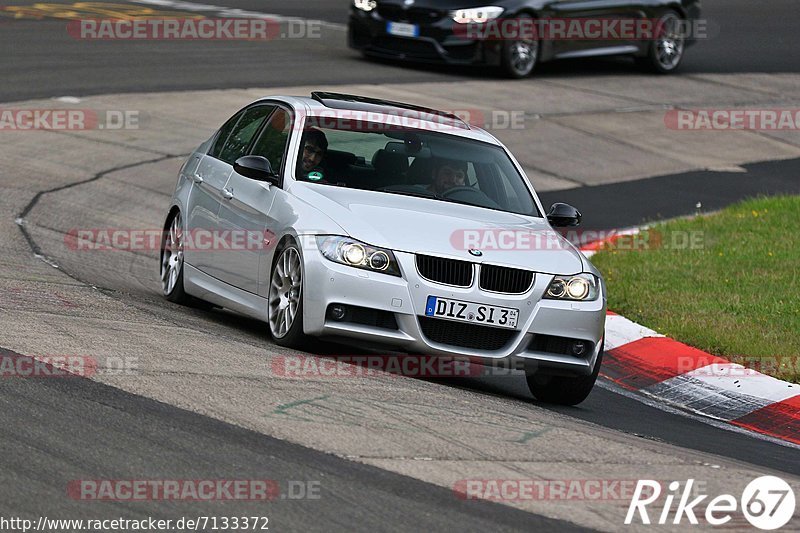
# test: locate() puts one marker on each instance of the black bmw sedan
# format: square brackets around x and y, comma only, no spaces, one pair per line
[518,34]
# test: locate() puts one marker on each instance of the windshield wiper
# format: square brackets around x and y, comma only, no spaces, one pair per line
[416,194]
[454,201]
[431,195]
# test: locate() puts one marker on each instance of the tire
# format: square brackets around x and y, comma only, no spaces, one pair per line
[666,50]
[172,261]
[564,390]
[285,299]
[519,58]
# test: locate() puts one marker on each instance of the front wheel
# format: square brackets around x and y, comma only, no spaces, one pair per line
[564,390]
[519,57]
[665,52]
[172,261]
[286,298]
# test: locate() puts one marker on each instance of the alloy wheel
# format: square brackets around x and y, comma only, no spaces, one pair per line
[523,56]
[285,292]
[172,255]
[669,42]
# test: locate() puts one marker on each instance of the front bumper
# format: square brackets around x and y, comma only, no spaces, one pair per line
[436,43]
[405,298]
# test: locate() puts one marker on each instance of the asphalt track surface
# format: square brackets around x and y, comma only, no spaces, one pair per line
[136,437]
[621,205]
[68,427]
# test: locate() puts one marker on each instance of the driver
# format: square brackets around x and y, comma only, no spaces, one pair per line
[447,174]
[314,145]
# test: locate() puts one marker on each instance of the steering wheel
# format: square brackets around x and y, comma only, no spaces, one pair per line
[461,188]
[470,195]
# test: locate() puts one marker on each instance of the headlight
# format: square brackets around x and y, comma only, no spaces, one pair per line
[476,14]
[357,254]
[578,287]
[365,5]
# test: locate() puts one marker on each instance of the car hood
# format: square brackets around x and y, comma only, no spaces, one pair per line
[420,225]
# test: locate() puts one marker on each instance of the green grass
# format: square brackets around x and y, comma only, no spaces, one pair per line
[735,294]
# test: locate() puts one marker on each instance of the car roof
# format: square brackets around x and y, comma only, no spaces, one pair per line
[366,109]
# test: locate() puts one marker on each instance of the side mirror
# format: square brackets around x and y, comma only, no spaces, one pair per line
[257,168]
[563,215]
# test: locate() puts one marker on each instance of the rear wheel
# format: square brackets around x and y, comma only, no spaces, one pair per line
[564,390]
[665,52]
[519,57]
[286,298]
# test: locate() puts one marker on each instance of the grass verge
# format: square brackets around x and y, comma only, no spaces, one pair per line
[726,283]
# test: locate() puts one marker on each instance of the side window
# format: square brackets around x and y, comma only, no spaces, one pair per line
[243,133]
[224,133]
[272,142]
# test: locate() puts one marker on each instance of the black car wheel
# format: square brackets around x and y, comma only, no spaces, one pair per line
[519,57]
[665,52]
[564,390]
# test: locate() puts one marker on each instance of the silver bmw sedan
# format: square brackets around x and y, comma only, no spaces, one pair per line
[389,224]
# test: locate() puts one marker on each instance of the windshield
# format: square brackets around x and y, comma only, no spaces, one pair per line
[426,164]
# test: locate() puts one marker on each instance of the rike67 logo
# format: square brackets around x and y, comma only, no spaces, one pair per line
[767,502]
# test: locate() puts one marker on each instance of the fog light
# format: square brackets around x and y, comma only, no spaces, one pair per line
[578,347]
[337,312]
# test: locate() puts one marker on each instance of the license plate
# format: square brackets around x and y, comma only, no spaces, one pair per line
[489,315]
[402,29]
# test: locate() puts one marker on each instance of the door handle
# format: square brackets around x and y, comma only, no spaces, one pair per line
[227,193]
[197,179]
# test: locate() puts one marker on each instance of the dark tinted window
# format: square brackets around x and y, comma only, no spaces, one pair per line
[223,134]
[241,135]
[272,142]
